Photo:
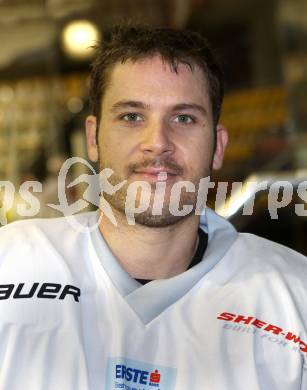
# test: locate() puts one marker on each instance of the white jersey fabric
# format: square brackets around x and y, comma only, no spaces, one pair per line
[72,319]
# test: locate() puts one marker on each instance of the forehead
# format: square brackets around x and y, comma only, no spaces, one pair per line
[154,81]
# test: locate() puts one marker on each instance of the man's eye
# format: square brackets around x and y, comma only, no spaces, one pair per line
[186,119]
[131,117]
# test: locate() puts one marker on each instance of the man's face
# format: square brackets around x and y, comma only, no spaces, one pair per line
[155,120]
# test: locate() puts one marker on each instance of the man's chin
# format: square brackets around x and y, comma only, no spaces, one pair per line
[158,211]
[158,221]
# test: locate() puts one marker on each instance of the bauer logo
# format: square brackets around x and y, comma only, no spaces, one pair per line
[130,374]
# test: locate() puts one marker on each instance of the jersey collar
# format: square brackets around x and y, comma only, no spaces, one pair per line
[150,300]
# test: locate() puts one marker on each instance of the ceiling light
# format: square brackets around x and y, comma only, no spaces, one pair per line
[78,37]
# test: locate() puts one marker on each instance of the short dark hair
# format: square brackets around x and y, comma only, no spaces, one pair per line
[135,42]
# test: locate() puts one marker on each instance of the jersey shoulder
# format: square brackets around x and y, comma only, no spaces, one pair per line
[28,235]
[263,256]
[268,249]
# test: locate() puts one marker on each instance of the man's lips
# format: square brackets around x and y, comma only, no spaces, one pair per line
[155,171]
[155,174]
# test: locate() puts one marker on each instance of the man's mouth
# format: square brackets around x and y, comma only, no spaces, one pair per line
[156,173]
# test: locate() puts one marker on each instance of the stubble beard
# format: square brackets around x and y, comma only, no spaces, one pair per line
[118,202]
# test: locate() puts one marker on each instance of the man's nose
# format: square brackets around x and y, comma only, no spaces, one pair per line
[157,139]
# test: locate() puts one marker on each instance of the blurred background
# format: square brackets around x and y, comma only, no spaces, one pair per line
[262,45]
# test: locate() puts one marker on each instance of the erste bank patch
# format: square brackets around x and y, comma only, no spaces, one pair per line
[127,374]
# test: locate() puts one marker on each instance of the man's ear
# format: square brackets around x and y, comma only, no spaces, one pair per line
[91,130]
[221,142]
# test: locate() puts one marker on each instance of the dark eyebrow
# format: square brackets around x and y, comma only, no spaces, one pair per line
[190,106]
[137,104]
[127,104]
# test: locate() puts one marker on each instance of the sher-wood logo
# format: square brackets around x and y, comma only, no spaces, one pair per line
[273,333]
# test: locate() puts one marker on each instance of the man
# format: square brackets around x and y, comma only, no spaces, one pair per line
[175,300]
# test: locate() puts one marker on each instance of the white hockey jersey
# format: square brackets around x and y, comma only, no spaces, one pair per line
[72,319]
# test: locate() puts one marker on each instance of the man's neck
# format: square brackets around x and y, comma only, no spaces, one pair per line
[152,253]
